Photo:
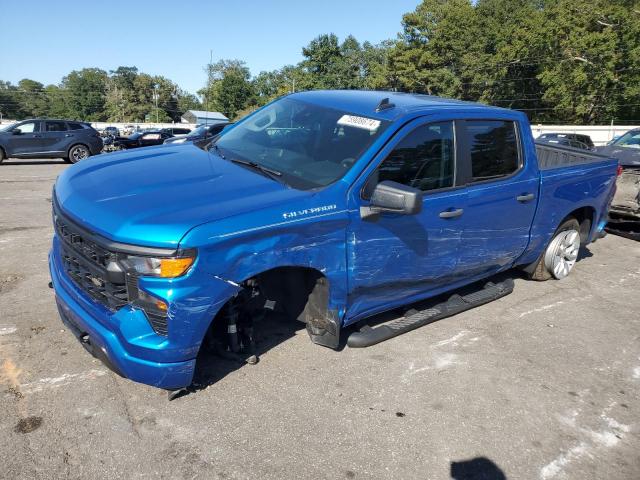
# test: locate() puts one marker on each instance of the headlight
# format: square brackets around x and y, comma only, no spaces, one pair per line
[168,267]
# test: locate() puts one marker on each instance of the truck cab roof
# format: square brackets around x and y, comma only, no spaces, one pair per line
[367,102]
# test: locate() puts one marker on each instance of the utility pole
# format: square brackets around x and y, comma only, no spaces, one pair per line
[155,97]
[209,80]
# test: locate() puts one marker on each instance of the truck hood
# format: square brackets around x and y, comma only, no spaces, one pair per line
[154,196]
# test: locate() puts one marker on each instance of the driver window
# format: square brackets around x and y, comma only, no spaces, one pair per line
[27,127]
[424,159]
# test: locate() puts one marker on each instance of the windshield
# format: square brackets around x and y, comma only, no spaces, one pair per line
[6,127]
[312,146]
[630,139]
[197,132]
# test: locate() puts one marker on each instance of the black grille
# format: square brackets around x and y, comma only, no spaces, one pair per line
[86,262]
[158,321]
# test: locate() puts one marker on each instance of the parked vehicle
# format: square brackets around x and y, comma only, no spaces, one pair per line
[142,139]
[200,136]
[71,140]
[327,206]
[177,131]
[129,129]
[111,132]
[625,207]
[574,140]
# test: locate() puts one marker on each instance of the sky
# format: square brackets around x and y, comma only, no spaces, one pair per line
[46,39]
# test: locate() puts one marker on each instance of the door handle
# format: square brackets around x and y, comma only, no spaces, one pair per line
[37,136]
[451,213]
[527,197]
[69,135]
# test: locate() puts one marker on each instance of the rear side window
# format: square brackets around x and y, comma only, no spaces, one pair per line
[56,126]
[74,126]
[493,147]
[424,159]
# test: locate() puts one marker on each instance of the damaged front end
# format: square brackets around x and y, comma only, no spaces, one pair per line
[624,214]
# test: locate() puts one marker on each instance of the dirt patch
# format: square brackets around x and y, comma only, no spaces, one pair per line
[8,281]
[28,424]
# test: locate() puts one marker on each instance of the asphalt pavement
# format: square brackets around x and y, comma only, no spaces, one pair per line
[541,384]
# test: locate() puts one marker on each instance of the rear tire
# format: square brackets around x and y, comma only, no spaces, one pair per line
[561,254]
[77,153]
[2,155]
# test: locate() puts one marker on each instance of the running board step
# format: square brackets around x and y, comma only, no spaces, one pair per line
[368,336]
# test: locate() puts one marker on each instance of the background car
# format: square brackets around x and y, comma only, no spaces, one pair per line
[111,131]
[36,138]
[200,136]
[142,139]
[574,140]
[626,149]
[177,130]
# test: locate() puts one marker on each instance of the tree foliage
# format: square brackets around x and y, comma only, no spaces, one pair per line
[557,60]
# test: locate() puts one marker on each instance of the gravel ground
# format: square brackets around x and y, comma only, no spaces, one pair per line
[541,384]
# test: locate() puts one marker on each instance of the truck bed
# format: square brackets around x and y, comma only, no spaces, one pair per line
[553,156]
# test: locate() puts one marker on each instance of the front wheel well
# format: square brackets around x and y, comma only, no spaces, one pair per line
[295,293]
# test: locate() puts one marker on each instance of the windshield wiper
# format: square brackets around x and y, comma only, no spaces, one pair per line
[270,172]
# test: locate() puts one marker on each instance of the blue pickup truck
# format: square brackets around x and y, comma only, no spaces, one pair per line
[327,206]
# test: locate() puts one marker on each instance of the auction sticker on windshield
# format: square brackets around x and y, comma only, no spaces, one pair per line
[359,122]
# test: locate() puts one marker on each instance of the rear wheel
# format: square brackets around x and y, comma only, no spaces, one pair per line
[2,156]
[77,153]
[561,254]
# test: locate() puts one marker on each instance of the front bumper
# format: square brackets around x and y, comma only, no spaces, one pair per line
[125,341]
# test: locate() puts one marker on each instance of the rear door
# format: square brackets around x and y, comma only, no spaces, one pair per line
[502,194]
[26,142]
[55,137]
[397,257]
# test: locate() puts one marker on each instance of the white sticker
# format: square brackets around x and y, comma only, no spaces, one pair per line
[359,122]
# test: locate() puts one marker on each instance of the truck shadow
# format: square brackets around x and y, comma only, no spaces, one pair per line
[479,468]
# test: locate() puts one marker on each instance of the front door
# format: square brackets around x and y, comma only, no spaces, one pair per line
[26,142]
[395,257]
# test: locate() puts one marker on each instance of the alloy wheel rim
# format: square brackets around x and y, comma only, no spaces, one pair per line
[562,254]
[79,153]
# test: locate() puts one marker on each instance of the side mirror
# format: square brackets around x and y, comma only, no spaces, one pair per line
[393,197]
[16,131]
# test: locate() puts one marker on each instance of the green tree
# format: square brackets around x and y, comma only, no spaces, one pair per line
[10,105]
[33,99]
[593,68]
[58,102]
[86,94]
[230,89]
